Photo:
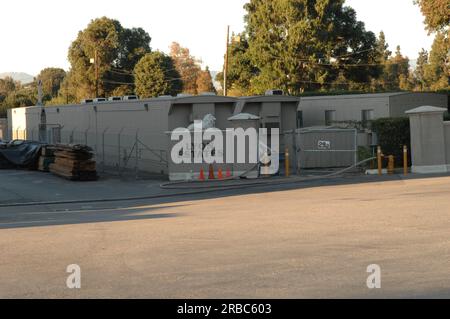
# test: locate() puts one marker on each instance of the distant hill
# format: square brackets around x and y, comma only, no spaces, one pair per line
[23,78]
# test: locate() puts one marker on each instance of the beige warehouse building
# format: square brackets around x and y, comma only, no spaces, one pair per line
[326,110]
[134,135]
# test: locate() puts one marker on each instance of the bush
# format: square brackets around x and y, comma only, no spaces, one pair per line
[392,134]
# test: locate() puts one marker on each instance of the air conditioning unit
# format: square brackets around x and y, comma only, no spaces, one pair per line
[184,95]
[207,94]
[115,98]
[130,98]
[274,92]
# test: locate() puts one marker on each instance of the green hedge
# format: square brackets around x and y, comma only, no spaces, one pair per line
[392,134]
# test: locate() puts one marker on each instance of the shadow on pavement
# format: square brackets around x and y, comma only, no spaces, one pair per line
[19,219]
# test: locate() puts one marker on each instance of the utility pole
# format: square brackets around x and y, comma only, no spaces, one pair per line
[95,62]
[96,73]
[225,68]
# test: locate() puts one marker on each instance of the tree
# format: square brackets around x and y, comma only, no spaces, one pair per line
[13,94]
[205,82]
[21,97]
[155,75]
[382,48]
[396,72]
[7,86]
[241,70]
[51,79]
[187,66]
[305,45]
[419,73]
[437,71]
[436,12]
[134,44]
[114,52]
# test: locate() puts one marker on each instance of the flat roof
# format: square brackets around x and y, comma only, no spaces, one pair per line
[269,98]
[354,96]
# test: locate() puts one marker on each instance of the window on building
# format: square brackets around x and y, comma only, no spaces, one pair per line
[366,117]
[330,117]
[299,119]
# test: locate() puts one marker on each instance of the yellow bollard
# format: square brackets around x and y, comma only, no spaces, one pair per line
[405,160]
[286,162]
[380,165]
[391,165]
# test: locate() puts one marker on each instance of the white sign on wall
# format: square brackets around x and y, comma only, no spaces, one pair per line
[324,145]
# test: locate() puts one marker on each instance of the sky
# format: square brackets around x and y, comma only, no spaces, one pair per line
[37,34]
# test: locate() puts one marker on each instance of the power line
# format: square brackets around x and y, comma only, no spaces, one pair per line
[131,83]
[341,83]
[307,61]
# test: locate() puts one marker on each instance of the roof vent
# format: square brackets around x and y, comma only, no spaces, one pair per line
[274,92]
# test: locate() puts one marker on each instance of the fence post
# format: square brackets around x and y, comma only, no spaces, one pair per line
[405,160]
[286,160]
[294,147]
[391,165]
[136,168]
[103,149]
[356,147]
[71,139]
[119,154]
[380,168]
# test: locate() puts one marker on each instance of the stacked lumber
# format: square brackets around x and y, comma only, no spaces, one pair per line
[74,162]
[46,159]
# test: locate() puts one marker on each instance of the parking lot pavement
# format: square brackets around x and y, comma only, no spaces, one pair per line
[313,242]
[17,186]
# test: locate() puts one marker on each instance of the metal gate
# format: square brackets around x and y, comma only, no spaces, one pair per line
[326,148]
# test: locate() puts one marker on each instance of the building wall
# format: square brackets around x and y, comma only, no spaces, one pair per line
[19,121]
[347,108]
[399,104]
[447,143]
[3,129]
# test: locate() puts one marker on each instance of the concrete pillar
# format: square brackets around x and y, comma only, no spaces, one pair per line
[427,140]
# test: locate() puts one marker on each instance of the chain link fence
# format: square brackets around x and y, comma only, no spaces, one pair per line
[124,152]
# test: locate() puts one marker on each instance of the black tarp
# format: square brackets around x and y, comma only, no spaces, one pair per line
[23,155]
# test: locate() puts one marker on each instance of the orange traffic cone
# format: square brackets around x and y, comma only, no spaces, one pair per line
[228,174]
[211,172]
[202,175]
[220,173]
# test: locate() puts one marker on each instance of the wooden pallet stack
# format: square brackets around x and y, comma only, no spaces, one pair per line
[74,162]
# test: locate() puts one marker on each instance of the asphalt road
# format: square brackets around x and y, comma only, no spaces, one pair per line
[289,243]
